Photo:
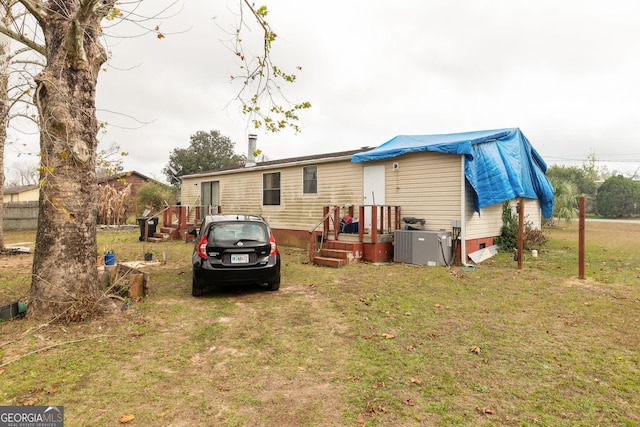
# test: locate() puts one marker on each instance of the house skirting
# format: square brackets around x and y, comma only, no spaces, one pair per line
[378,252]
[293,238]
[475,245]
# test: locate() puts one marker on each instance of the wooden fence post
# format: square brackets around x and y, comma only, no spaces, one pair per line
[581,226]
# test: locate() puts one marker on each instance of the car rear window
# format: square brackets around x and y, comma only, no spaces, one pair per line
[234,231]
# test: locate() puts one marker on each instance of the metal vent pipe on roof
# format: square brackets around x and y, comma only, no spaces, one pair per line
[251,152]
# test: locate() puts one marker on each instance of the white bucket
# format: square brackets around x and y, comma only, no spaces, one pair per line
[534,253]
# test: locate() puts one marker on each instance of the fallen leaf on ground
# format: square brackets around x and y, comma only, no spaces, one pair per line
[416,380]
[485,410]
[475,349]
[388,336]
[127,418]
[410,402]
[161,415]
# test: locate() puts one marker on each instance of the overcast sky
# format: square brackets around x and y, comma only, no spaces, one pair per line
[567,73]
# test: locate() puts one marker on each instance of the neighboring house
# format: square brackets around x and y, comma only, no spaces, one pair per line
[121,180]
[455,180]
[21,193]
[20,207]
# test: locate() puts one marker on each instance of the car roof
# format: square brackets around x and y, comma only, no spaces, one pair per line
[233,218]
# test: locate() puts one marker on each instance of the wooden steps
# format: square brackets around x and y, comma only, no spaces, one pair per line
[336,253]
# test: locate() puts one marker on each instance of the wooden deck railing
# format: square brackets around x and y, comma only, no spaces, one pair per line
[179,217]
[384,220]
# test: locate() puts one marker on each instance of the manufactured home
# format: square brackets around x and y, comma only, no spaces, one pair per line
[454,182]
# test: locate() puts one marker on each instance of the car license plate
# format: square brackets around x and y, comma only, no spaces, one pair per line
[239,258]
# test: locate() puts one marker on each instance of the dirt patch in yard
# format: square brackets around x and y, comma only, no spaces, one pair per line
[15,261]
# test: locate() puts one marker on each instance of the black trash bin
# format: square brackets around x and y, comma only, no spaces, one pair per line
[153,223]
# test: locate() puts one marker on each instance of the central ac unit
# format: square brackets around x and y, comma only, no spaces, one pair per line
[423,247]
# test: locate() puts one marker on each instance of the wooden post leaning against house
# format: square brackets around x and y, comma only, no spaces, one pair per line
[581,227]
[325,226]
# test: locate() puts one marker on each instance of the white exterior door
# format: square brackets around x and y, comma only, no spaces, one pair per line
[373,190]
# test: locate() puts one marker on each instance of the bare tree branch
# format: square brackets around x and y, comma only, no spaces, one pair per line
[22,39]
[260,78]
[36,8]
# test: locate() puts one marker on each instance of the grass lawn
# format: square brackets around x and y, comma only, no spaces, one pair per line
[374,345]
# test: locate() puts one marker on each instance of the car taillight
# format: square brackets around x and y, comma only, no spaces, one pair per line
[202,248]
[274,247]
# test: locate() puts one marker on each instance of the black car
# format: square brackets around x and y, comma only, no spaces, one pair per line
[233,250]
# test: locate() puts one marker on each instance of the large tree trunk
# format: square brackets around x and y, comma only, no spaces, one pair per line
[65,279]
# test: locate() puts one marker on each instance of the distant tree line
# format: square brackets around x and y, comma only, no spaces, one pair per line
[607,195]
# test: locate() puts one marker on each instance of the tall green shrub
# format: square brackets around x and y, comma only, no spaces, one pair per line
[508,238]
[532,238]
[156,194]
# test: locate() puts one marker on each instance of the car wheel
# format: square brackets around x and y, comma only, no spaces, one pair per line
[196,290]
[274,286]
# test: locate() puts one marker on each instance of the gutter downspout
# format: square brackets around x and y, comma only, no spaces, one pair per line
[463,214]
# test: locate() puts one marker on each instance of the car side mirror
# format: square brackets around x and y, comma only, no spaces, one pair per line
[193,232]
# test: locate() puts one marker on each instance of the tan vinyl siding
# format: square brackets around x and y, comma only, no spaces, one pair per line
[426,185]
[532,213]
[488,222]
[339,183]
[190,191]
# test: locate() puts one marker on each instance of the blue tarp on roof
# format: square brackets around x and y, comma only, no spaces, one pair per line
[499,164]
